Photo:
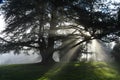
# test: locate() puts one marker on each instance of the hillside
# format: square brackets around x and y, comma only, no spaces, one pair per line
[70,71]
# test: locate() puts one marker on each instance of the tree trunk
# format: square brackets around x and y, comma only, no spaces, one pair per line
[47,52]
[47,57]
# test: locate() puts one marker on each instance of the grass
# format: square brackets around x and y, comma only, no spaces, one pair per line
[22,72]
[70,71]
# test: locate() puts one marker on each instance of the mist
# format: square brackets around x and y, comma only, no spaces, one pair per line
[11,58]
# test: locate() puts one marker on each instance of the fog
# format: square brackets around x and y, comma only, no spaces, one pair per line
[10,58]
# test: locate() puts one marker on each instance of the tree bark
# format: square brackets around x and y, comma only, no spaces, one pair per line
[48,49]
[47,57]
[47,52]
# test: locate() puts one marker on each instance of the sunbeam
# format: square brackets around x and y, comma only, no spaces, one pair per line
[100,52]
[67,53]
[97,51]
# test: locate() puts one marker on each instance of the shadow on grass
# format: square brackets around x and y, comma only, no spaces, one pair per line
[70,71]
[23,71]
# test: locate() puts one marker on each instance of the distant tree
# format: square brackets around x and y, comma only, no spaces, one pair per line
[116,52]
[33,24]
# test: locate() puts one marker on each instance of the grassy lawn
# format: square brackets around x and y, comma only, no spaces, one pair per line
[71,71]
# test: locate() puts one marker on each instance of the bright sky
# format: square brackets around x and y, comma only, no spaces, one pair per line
[115,1]
[2,23]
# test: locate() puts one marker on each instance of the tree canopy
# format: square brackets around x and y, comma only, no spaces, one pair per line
[42,24]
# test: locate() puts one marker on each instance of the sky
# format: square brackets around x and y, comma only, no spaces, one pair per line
[2,23]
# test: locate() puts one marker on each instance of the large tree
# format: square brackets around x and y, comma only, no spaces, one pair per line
[27,28]
[34,24]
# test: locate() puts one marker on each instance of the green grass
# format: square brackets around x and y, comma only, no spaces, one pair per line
[71,71]
[22,72]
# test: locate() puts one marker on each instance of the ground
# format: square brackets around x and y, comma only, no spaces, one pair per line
[69,71]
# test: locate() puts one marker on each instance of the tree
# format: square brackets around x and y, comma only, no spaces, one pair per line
[33,24]
[115,52]
[27,25]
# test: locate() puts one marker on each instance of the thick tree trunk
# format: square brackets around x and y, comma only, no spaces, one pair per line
[47,52]
[47,57]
